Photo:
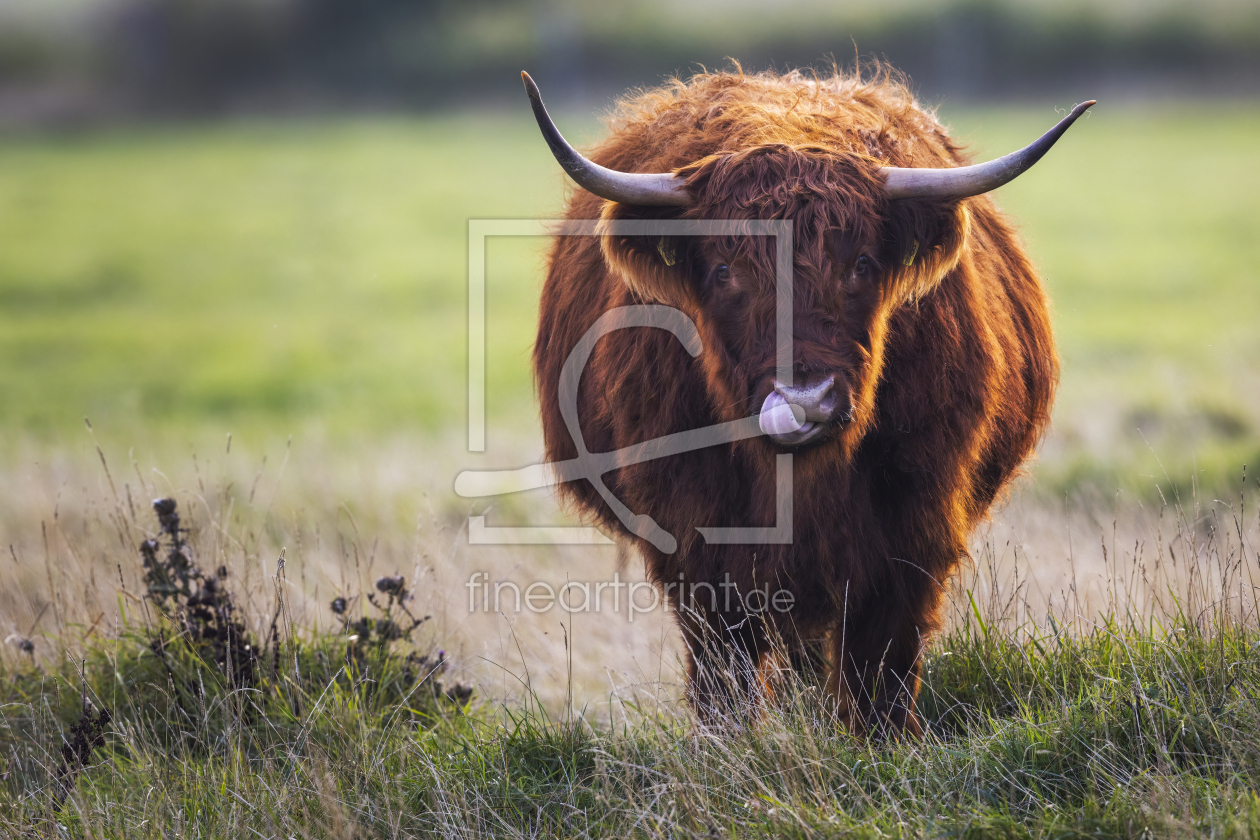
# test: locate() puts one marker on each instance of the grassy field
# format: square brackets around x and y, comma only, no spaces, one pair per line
[301,288]
[1134,720]
[1155,742]
[256,276]
[309,278]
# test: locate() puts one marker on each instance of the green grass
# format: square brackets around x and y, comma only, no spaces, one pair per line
[1117,732]
[273,275]
[309,277]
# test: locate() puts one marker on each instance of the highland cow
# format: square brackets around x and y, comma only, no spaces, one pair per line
[922,367]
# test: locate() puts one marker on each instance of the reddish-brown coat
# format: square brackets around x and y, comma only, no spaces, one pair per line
[949,364]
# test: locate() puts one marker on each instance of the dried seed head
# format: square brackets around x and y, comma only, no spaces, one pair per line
[391,585]
[167,517]
[339,605]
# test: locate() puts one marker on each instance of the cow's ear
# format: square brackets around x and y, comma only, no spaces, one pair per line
[923,241]
[655,267]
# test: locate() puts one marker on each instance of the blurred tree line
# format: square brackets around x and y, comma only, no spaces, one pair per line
[196,56]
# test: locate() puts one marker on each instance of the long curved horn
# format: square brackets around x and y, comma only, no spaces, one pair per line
[966,181]
[627,187]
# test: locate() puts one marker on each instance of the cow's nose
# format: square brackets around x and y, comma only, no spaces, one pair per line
[817,396]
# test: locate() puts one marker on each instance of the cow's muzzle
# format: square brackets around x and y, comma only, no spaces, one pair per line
[793,415]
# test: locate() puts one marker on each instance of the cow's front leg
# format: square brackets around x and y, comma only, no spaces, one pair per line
[874,690]
[876,657]
[724,653]
[808,659]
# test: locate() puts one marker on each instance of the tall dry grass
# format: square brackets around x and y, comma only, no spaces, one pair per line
[71,526]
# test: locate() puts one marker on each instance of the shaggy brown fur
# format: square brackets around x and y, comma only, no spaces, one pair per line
[949,364]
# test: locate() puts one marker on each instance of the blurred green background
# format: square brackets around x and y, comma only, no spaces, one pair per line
[95,57]
[251,216]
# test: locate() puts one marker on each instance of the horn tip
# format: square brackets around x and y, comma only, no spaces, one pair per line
[535,97]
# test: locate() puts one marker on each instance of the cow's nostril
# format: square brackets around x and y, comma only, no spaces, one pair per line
[827,405]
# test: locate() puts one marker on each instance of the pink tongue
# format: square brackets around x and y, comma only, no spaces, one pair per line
[777,417]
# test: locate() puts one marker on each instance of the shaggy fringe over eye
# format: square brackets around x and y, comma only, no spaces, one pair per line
[796,146]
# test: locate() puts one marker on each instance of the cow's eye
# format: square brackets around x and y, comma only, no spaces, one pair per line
[863,265]
[723,272]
